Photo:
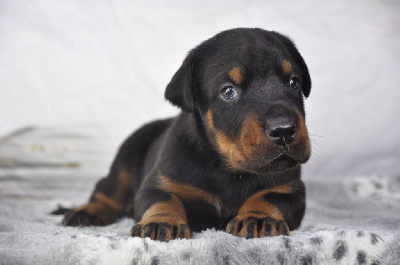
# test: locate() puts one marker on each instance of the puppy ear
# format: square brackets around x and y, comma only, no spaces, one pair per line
[299,60]
[180,90]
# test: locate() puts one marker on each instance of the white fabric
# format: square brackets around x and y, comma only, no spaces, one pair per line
[106,63]
[340,227]
[353,221]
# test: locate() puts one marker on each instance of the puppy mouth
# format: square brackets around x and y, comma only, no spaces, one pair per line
[280,163]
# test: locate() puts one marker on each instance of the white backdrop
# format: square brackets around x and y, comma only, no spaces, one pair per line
[106,63]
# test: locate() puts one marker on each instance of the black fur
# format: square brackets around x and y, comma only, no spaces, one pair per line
[187,151]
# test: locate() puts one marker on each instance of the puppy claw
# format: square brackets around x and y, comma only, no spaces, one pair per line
[136,230]
[254,227]
[283,228]
[161,231]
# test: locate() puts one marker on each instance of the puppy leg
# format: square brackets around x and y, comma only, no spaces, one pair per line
[164,216]
[107,203]
[270,212]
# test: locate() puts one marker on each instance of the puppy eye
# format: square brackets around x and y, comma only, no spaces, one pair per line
[294,82]
[229,93]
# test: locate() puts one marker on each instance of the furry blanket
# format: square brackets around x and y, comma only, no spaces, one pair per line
[355,221]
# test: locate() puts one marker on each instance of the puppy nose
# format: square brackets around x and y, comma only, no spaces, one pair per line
[281,132]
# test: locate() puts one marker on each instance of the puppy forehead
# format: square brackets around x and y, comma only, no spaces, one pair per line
[243,59]
[253,71]
[244,65]
[260,68]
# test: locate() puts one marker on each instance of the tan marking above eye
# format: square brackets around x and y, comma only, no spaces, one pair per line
[236,75]
[286,67]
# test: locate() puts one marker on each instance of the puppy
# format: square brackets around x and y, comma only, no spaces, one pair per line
[230,160]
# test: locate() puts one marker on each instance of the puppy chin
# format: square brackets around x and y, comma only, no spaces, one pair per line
[279,164]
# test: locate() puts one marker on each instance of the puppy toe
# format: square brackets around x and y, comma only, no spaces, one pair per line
[283,228]
[161,231]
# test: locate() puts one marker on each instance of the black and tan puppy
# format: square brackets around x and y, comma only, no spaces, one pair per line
[230,160]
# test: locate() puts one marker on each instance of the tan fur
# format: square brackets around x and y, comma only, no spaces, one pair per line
[251,140]
[257,203]
[109,208]
[125,185]
[170,212]
[113,203]
[256,206]
[189,192]
[226,146]
[236,75]
[104,208]
[302,133]
[286,67]
[167,210]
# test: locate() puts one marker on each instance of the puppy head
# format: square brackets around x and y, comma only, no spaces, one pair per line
[248,86]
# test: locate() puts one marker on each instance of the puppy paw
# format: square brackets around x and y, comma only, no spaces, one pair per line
[81,218]
[162,231]
[96,214]
[255,226]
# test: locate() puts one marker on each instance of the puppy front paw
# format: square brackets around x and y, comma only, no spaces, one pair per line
[256,225]
[162,230]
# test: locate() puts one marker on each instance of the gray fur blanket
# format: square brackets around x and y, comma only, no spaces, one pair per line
[352,221]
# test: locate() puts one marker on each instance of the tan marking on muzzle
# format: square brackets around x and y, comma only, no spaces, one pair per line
[302,132]
[226,146]
[251,140]
[252,136]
